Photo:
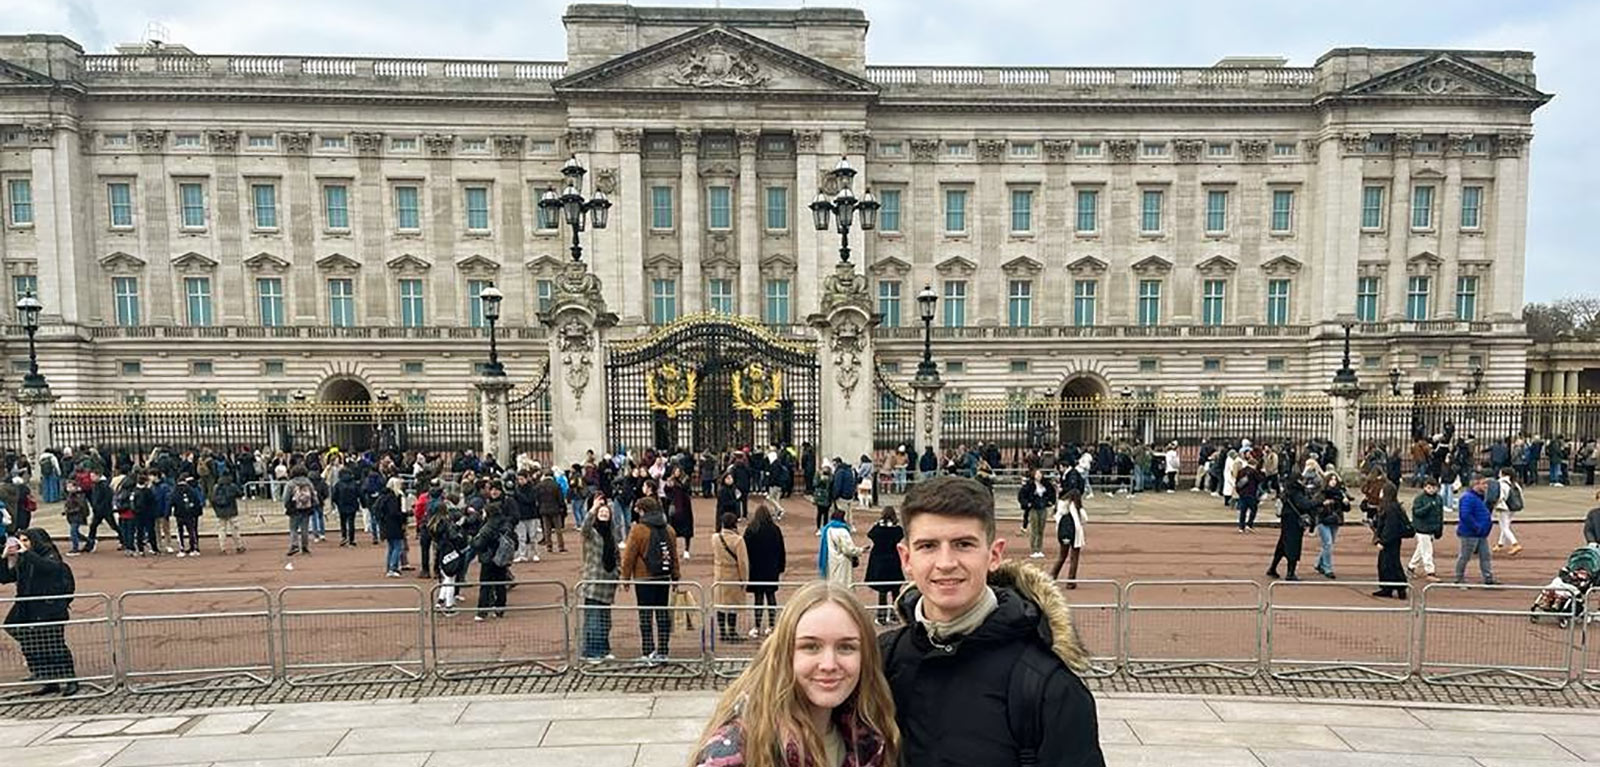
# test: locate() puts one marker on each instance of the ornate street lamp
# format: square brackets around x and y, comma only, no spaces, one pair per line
[571,205]
[1477,379]
[1346,375]
[490,297]
[28,308]
[926,301]
[1394,380]
[843,206]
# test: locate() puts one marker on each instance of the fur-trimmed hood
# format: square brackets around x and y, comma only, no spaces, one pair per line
[1033,587]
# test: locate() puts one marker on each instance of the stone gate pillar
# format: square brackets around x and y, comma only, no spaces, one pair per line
[929,415]
[844,329]
[34,409]
[1344,399]
[578,322]
[493,392]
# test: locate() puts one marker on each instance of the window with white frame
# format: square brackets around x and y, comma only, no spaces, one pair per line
[119,199]
[1219,149]
[660,207]
[407,210]
[254,141]
[187,141]
[1088,218]
[1021,210]
[1088,149]
[1149,302]
[1277,302]
[264,204]
[720,291]
[1084,294]
[1372,207]
[1367,299]
[890,149]
[1422,207]
[1213,302]
[663,301]
[1282,211]
[719,207]
[1019,304]
[777,208]
[125,297]
[1467,298]
[269,301]
[1024,149]
[889,303]
[197,301]
[113,140]
[1153,149]
[955,210]
[889,210]
[1216,211]
[477,208]
[23,285]
[192,205]
[342,302]
[958,149]
[475,145]
[19,196]
[1150,210]
[544,294]
[333,143]
[475,290]
[1471,207]
[411,303]
[1417,298]
[776,308]
[1285,149]
[403,144]
[955,303]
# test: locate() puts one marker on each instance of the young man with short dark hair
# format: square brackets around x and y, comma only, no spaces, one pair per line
[983,671]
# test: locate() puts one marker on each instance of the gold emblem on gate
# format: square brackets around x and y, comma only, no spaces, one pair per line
[670,389]
[756,389]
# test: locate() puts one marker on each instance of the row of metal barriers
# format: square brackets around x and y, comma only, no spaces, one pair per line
[159,641]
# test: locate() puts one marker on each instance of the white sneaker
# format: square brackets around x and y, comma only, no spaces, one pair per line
[194,553]
[520,559]
[1557,484]
[169,549]
[685,555]
[818,533]
[288,565]
[1169,491]
[536,556]
[1036,555]
[181,553]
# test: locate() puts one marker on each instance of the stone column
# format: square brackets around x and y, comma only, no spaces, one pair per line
[578,321]
[1509,226]
[807,266]
[1400,232]
[35,409]
[929,416]
[53,219]
[492,403]
[691,224]
[844,329]
[631,225]
[750,227]
[1345,402]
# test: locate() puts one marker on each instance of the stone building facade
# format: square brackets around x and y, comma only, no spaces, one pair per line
[245,226]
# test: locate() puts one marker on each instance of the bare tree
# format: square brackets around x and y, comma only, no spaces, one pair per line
[1572,317]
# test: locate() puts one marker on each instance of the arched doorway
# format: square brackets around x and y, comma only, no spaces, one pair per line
[344,415]
[1083,406]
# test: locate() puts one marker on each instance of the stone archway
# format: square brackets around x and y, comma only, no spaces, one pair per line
[1083,406]
[344,416]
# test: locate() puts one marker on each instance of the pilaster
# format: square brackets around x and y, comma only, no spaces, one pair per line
[496,414]
[844,329]
[808,267]
[578,321]
[34,405]
[631,225]
[929,416]
[691,226]
[750,227]
[1400,229]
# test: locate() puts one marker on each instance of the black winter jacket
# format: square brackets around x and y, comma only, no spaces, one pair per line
[951,700]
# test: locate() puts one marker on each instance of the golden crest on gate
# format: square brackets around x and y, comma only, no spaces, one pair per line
[670,389]
[756,389]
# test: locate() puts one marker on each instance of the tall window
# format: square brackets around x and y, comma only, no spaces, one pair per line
[197,299]
[336,206]
[265,197]
[544,294]
[1422,207]
[889,212]
[1466,298]
[660,207]
[1213,302]
[477,208]
[23,285]
[955,210]
[719,207]
[1019,305]
[889,302]
[120,197]
[663,301]
[1021,210]
[777,303]
[269,296]
[1083,300]
[1367,299]
[192,206]
[777,207]
[955,303]
[1372,207]
[411,306]
[125,294]
[1149,302]
[1471,207]
[1282,210]
[342,302]
[407,216]
[721,292]
[474,303]
[1277,302]
[1088,211]
[1216,211]
[19,192]
[1417,299]
[1150,215]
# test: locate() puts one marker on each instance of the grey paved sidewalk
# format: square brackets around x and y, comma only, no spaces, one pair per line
[622,730]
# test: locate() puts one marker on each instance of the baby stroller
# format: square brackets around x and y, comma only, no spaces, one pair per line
[1565,595]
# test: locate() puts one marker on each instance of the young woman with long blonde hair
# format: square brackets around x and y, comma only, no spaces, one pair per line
[814,696]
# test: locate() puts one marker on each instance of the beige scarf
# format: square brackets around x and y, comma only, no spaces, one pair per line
[966,623]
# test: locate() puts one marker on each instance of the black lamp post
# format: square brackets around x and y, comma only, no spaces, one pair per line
[28,308]
[1346,375]
[490,297]
[843,207]
[1394,380]
[571,205]
[926,301]
[1477,379]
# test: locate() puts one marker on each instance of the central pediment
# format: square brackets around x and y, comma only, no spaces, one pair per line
[716,61]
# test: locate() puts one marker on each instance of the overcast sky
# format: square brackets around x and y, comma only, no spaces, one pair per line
[1563,203]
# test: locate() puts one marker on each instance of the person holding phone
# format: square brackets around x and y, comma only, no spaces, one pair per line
[37,620]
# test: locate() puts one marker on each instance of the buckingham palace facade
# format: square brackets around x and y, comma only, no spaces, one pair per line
[244,226]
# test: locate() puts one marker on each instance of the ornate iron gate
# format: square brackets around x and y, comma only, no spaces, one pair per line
[712,383]
[528,415]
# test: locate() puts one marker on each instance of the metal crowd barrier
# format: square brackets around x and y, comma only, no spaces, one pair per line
[1335,631]
[79,650]
[1590,673]
[168,642]
[665,638]
[1478,628]
[531,637]
[883,617]
[323,644]
[1158,638]
[733,614]
[1097,616]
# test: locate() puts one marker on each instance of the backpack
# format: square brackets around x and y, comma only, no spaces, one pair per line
[1514,498]
[304,497]
[1024,691]
[124,498]
[504,551]
[658,555]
